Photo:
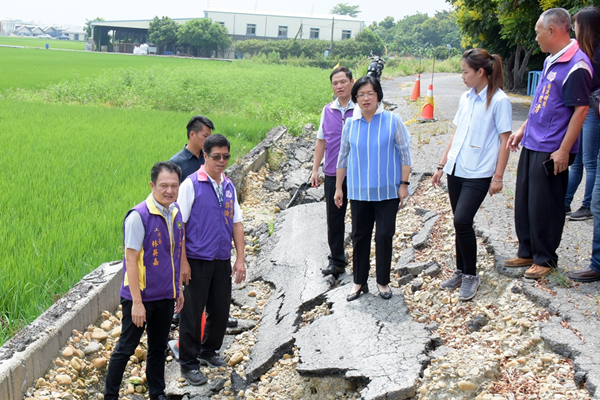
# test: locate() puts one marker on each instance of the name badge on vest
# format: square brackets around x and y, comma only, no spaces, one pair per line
[551,76]
[228,194]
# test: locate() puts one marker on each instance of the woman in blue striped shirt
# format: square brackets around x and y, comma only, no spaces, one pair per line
[375,155]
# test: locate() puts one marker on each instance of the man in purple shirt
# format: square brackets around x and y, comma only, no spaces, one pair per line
[550,140]
[329,135]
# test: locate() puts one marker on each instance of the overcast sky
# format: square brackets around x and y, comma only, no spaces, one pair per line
[75,12]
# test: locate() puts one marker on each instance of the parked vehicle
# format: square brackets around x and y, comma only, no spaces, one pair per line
[376,66]
[44,36]
[63,37]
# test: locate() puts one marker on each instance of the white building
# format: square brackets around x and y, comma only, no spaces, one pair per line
[244,24]
[7,26]
[241,25]
[75,34]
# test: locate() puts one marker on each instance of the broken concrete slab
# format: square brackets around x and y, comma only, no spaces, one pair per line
[407,256]
[421,239]
[295,179]
[414,268]
[433,270]
[574,331]
[382,344]
[428,215]
[291,261]
[313,195]
[254,159]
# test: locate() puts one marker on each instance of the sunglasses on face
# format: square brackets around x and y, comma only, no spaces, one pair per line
[220,157]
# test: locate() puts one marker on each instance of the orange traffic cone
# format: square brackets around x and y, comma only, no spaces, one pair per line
[201,328]
[427,115]
[416,93]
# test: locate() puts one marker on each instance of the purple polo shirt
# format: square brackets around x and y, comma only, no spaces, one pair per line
[565,83]
[332,123]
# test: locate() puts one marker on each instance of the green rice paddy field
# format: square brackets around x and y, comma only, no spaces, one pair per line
[80,132]
[41,43]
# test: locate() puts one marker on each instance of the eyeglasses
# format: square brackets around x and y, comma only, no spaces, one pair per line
[367,94]
[220,157]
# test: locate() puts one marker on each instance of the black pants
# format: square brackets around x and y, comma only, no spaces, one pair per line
[335,222]
[466,195]
[364,215]
[539,208]
[209,287]
[158,324]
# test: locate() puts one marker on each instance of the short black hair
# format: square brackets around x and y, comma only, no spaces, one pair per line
[364,81]
[216,141]
[341,69]
[161,166]
[196,124]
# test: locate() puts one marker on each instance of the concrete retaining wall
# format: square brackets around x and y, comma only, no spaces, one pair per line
[29,354]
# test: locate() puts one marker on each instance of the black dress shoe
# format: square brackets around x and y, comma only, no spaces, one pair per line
[353,296]
[385,295]
[587,275]
[332,269]
[232,322]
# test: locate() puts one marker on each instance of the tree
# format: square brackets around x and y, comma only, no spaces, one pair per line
[345,9]
[370,41]
[385,29]
[505,27]
[163,32]
[203,36]
[87,27]
[218,38]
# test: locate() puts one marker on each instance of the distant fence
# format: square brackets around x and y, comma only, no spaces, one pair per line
[533,81]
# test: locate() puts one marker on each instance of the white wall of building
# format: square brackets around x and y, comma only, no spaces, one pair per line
[271,25]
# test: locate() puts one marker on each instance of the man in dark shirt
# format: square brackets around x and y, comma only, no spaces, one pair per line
[190,158]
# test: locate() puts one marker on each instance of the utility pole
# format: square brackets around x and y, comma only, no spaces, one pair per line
[332,25]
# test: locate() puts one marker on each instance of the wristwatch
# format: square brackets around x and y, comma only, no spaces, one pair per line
[404,183]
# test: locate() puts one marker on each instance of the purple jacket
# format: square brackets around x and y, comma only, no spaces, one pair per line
[209,229]
[332,125]
[549,117]
[159,262]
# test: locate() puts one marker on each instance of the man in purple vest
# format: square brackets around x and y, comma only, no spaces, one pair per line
[150,290]
[212,218]
[189,160]
[329,135]
[550,139]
